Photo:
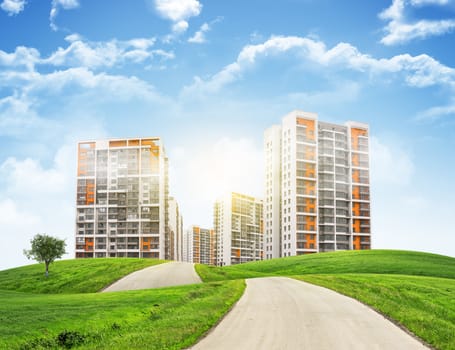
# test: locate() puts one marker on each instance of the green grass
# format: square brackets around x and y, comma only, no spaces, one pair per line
[166,318]
[71,276]
[415,289]
[369,261]
[424,305]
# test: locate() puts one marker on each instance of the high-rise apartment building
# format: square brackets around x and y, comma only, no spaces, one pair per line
[239,229]
[200,245]
[175,231]
[122,199]
[317,193]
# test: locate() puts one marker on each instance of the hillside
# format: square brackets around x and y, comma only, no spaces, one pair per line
[423,305]
[367,261]
[71,276]
[414,289]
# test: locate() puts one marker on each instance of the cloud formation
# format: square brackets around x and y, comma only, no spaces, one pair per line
[178,11]
[199,36]
[418,71]
[56,6]
[30,203]
[438,112]
[13,7]
[399,30]
[93,55]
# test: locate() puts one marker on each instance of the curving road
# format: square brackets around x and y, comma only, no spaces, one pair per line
[162,275]
[283,313]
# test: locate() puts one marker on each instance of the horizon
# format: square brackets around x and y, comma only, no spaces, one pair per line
[208,80]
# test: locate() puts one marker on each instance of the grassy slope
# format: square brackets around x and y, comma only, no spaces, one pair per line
[425,305]
[71,276]
[166,318]
[415,289]
[130,319]
[371,261]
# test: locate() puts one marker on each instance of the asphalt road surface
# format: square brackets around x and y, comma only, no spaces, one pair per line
[163,275]
[283,313]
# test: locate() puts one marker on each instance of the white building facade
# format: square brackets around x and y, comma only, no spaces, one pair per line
[122,199]
[200,245]
[238,225]
[175,231]
[316,186]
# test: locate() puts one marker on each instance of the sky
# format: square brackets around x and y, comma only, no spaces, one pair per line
[209,77]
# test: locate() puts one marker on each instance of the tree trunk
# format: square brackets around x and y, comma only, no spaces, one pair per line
[47,268]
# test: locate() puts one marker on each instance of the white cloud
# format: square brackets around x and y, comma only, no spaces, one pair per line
[178,11]
[419,71]
[13,7]
[18,227]
[390,164]
[399,30]
[429,2]
[438,112]
[117,86]
[199,36]
[81,81]
[22,56]
[79,92]
[180,26]
[402,32]
[36,200]
[17,116]
[56,5]
[66,4]
[82,53]
[28,176]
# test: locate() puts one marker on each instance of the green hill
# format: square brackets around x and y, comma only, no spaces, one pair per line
[423,305]
[367,261]
[71,276]
[164,318]
[414,289]
[63,312]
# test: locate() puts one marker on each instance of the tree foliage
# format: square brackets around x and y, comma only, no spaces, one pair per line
[45,249]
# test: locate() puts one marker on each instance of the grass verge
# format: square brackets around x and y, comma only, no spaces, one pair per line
[71,276]
[371,261]
[166,318]
[424,305]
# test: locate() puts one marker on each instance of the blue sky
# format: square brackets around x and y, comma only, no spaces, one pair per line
[209,77]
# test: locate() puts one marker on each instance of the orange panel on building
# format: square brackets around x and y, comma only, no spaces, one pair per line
[356,208]
[310,127]
[356,243]
[355,133]
[84,148]
[134,143]
[310,240]
[120,143]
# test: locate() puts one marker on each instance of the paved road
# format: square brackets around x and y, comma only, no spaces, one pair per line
[283,313]
[163,275]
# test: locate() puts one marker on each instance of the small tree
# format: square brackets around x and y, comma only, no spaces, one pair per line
[45,249]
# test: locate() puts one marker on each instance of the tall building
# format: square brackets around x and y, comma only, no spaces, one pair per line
[122,199]
[175,231]
[200,244]
[239,229]
[317,193]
